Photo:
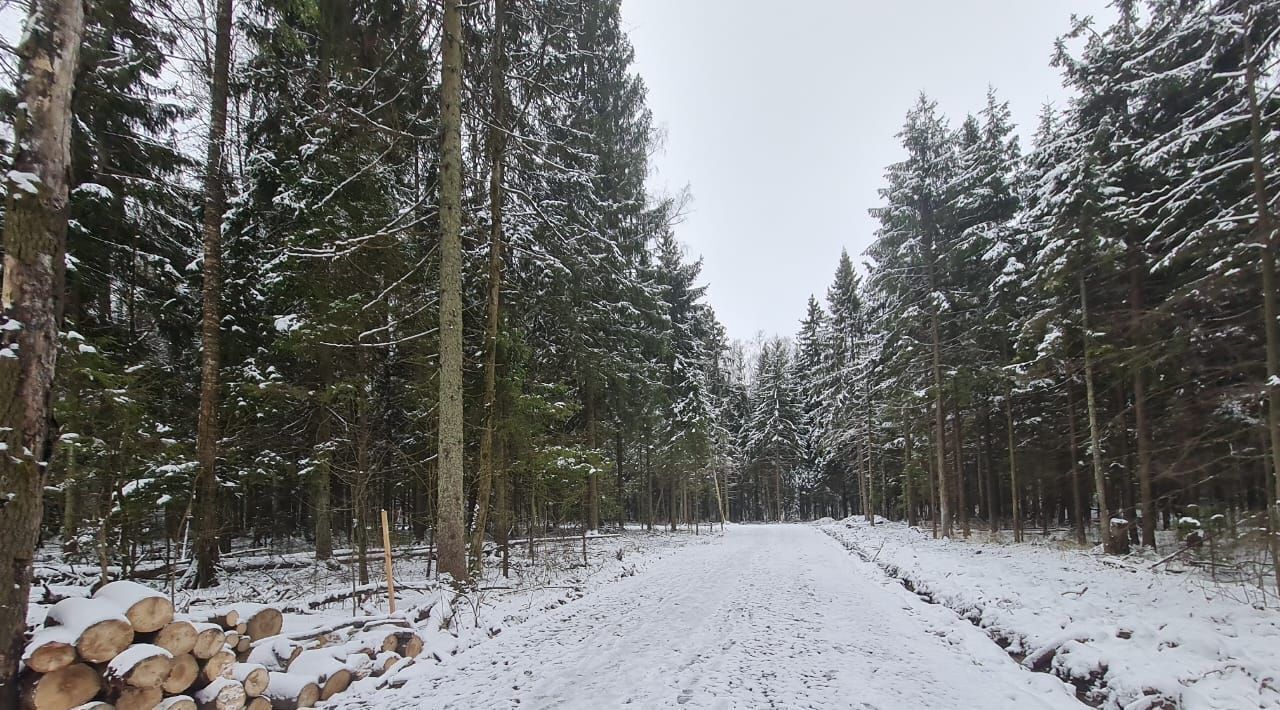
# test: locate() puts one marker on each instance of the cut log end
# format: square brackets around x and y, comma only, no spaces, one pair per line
[100,631]
[146,609]
[216,666]
[64,688]
[176,637]
[182,674]
[222,694]
[140,666]
[137,698]
[150,614]
[264,623]
[177,702]
[288,691]
[209,640]
[50,649]
[408,644]
[337,682]
[227,618]
[252,676]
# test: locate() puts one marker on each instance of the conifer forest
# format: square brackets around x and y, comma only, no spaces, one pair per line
[352,357]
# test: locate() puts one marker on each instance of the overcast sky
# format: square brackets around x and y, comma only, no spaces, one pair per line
[780,118]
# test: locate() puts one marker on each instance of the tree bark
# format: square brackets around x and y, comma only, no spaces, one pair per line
[907,487]
[989,471]
[1095,449]
[497,152]
[961,500]
[940,420]
[206,493]
[452,554]
[322,486]
[35,243]
[593,479]
[1267,238]
[1077,484]
[502,505]
[621,482]
[1015,491]
[1142,424]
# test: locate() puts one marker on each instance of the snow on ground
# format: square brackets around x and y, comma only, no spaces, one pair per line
[1135,638]
[776,616]
[317,596]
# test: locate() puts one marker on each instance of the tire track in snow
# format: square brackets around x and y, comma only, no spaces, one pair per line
[768,616]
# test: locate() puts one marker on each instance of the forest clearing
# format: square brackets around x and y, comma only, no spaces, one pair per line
[377,353]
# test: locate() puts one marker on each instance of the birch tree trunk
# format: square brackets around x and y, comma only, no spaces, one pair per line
[206,493]
[35,243]
[452,554]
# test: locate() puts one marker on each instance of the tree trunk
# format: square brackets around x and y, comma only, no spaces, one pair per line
[1095,450]
[940,422]
[1142,426]
[777,487]
[962,502]
[1015,491]
[648,482]
[989,469]
[593,480]
[206,493]
[322,492]
[35,244]
[618,452]
[452,554]
[1267,238]
[933,498]
[502,506]
[1077,482]
[907,487]
[497,156]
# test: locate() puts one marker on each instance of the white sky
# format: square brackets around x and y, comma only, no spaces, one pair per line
[780,117]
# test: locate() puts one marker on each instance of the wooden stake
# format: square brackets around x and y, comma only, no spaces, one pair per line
[386,553]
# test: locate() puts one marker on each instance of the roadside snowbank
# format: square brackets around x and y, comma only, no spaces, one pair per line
[1126,636]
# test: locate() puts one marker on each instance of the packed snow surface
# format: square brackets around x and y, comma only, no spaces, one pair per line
[766,616]
[1133,637]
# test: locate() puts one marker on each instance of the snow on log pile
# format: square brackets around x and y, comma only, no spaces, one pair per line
[1125,635]
[124,648]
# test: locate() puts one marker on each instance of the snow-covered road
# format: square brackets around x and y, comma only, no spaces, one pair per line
[766,616]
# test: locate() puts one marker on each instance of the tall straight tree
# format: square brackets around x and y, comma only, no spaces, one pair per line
[35,243]
[206,498]
[1266,237]
[452,552]
[914,238]
[497,139]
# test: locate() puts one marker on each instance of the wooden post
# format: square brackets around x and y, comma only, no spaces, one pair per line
[386,555]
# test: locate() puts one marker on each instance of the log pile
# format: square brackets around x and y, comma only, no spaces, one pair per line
[125,649]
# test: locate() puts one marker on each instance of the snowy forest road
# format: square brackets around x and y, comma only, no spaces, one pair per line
[766,616]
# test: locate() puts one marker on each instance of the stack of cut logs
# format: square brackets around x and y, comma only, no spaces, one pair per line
[124,648]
